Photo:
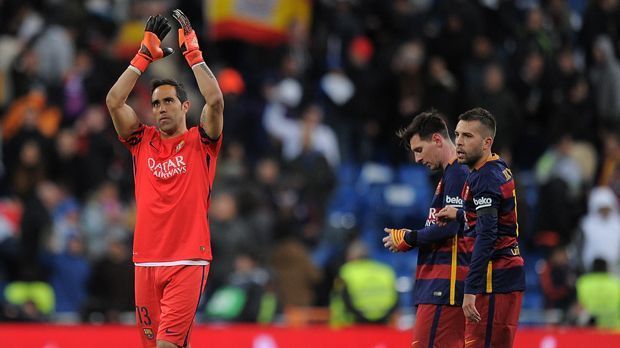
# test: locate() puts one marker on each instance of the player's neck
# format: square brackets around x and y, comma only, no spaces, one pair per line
[449,155]
[485,157]
[173,133]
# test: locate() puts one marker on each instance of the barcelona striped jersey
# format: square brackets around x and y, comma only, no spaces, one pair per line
[491,230]
[442,257]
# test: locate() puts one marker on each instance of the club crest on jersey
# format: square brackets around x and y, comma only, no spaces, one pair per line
[149,333]
[179,147]
[466,192]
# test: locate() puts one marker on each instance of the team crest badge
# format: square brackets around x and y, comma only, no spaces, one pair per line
[179,147]
[149,333]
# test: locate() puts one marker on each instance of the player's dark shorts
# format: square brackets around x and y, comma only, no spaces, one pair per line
[166,301]
[500,318]
[438,326]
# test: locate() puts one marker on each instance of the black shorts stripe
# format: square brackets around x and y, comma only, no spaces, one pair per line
[186,341]
[431,340]
[489,331]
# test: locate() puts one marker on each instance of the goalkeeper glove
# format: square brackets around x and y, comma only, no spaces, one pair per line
[398,238]
[150,48]
[188,42]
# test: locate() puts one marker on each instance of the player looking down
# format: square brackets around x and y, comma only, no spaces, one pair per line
[442,258]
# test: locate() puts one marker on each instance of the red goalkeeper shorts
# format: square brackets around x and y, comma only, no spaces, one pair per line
[438,326]
[500,318]
[166,301]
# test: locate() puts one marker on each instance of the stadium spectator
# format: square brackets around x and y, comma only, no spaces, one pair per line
[600,229]
[70,271]
[557,278]
[496,97]
[598,292]
[111,284]
[246,297]
[365,290]
[297,136]
[295,276]
[605,77]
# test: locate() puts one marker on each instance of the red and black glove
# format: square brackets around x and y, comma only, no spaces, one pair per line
[187,39]
[150,48]
[398,238]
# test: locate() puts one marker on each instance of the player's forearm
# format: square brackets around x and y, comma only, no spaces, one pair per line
[211,118]
[435,233]
[486,226]
[118,94]
[123,117]
[207,84]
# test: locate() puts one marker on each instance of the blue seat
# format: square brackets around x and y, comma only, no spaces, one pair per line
[348,173]
[414,175]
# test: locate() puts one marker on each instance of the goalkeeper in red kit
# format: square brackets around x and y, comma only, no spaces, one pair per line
[174,168]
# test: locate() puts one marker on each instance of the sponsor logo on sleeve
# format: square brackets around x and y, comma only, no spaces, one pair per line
[454,201]
[482,202]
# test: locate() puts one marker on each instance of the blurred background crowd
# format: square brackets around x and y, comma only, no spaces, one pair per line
[311,170]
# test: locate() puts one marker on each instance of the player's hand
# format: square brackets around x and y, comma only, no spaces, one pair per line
[188,42]
[150,48]
[395,240]
[446,215]
[469,308]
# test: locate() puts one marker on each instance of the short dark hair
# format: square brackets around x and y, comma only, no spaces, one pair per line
[481,115]
[181,93]
[424,125]
[599,265]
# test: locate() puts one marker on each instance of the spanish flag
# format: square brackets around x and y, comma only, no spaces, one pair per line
[262,22]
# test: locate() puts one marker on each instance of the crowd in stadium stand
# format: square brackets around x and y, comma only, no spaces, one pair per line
[310,161]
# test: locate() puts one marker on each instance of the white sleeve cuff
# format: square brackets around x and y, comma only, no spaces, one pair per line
[134,69]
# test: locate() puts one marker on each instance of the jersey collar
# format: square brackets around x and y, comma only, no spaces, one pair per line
[492,157]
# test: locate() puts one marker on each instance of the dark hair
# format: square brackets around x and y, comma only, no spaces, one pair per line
[481,115]
[599,265]
[424,125]
[181,94]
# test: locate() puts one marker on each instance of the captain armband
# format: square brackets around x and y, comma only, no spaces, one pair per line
[487,211]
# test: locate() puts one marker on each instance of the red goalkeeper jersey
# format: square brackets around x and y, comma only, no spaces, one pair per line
[173,179]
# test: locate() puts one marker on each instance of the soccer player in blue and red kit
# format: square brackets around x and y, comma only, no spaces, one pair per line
[442,258]
[495,282]
[174,168]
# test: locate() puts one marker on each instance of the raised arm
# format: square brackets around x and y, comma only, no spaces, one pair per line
[123,116]
[212,116]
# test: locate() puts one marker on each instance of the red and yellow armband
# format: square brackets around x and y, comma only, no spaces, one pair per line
[398,237]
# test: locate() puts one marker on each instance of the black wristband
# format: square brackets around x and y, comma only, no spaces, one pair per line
[460,216]
[411,238]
